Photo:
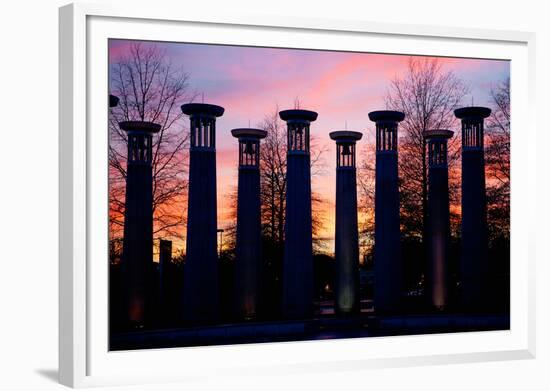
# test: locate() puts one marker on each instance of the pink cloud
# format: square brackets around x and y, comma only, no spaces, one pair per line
[342,87]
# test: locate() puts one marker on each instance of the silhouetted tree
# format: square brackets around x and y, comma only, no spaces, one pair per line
[273,152]
[497,156]
[227,241]
[497,169]
[366,176]
[428,95]
[150,89]
[273,177]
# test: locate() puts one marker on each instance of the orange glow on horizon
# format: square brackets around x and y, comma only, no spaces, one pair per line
[343,87]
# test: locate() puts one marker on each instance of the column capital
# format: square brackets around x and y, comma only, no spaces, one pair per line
[298,115]
[438,134]
[472,112]
[249,133]
[345,136]
[192,109]
[249,146]
[139,126]
[113,100]
[386,116]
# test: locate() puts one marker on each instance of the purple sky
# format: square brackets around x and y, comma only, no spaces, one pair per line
[342,87]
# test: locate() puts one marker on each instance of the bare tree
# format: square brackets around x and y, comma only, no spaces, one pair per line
[150,89]
[366,176]
[498,133]
[427,94]
[273,178]
[498,161]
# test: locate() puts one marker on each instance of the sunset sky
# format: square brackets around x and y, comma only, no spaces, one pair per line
[342,87]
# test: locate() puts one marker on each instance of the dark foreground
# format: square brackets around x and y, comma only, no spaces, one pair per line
[312,329]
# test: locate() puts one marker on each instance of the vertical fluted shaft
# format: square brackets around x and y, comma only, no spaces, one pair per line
[201,285]
[346,249]
[474,245]
[248,264]
[388,274]
[137,251]
[438,219]
[298,258]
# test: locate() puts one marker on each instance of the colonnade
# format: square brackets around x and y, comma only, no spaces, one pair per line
[201,270]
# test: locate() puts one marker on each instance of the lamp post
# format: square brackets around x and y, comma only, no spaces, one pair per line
[220,245]
[165,269]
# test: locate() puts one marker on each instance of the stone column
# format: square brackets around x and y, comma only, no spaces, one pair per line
[248,265]
[137,251]
[298,259]
[474,252]
[201,290]
[388,274]
[438,218]
[346,237]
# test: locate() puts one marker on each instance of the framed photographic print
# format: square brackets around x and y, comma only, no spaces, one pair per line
[262,194]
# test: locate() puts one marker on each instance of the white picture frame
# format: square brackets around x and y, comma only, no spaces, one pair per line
[84,357]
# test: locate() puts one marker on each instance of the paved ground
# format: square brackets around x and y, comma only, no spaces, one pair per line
[364,325]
